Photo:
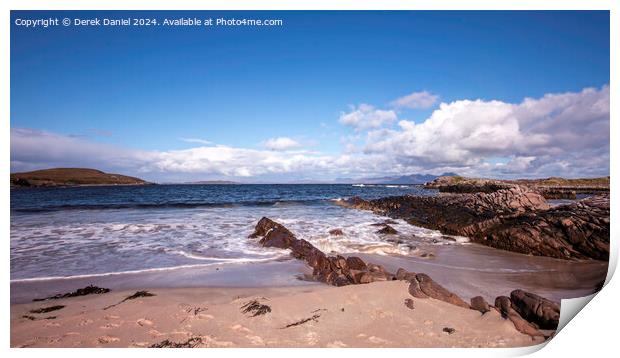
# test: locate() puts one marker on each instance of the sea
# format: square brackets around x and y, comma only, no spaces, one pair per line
[193,235]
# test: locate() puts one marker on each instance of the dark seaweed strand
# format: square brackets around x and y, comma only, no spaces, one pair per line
[190,343]
[305,320]
[47,309]
[132,297]
[256,308]
[88,290]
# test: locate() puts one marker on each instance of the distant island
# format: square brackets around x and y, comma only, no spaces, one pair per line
[70,177]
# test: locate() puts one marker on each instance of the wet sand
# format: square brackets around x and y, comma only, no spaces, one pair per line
[372,315]
[471,270]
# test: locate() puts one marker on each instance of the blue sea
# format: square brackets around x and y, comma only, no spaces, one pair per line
[97,230]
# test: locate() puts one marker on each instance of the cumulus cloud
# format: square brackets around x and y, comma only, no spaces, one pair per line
[416,100]
[565,127]
[366,116]
[281,144]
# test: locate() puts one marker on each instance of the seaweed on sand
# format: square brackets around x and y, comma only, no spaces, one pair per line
[33,318]
[88,290]
[132,297]
[255,308]
[314,318]
[47,309]
[190,343]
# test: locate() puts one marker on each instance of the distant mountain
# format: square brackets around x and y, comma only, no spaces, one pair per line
[71,177]
[403,179]
[213,182]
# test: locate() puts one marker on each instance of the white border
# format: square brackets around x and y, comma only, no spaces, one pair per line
[592,332]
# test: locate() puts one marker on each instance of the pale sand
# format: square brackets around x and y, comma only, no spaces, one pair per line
[372,315]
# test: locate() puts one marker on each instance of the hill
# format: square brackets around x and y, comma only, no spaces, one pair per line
[70,177]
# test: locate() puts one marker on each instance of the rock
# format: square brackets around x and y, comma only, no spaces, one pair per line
[336,232]
[504,305]
[355,263]
[478,303]
[375,268]
[278,237]
[401,273]
[387,230]
[539,310]
[415,290]
[363,277]
[436,291]
[262,227]
[449,330]
[274,234]
[409,303]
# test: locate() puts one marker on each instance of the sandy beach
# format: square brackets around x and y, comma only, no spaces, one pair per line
[371,315]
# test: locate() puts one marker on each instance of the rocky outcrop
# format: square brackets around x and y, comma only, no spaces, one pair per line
[539,310]
[549,188]
[527,311]
[515,219]
[340,271]
[334,270]
[576,231]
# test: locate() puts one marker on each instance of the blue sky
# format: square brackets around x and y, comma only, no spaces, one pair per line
[264,95]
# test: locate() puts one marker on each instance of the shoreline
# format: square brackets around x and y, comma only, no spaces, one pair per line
[371,315]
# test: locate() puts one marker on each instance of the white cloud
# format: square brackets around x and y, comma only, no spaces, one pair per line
[196,141]
[36,149]
[416,100]
[366,116]
[565,127]
[281,144]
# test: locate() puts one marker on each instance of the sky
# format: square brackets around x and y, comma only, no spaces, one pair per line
[327,95]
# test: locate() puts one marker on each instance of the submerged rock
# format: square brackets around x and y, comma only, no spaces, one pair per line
[336,232]
[387,230]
